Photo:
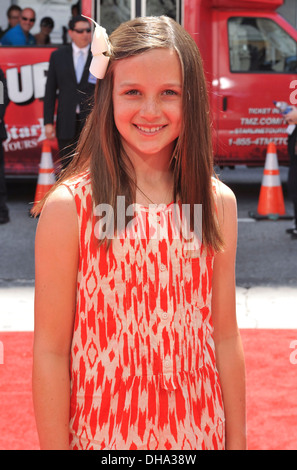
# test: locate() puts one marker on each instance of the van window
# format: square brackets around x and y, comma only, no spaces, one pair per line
[112,13]
[163,7]
[260,45]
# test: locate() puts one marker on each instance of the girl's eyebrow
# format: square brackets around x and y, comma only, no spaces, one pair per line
[163,85]
[173,85]
[128,84]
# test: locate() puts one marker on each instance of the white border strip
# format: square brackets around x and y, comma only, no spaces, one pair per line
[257,307]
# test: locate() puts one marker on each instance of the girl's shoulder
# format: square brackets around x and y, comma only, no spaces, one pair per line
[222,191]
[58,211]
[225,202]
[79,182]
[61,200]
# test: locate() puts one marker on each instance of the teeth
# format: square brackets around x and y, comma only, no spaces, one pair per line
[150,130]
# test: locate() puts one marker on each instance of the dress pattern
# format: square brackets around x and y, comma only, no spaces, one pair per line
[143,372]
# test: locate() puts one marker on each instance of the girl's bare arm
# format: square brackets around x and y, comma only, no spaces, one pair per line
[229,351]
[56,254]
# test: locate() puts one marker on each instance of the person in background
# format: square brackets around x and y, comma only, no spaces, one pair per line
[4,212]
[46,27]
[13,15]
[75,11]
[20,35]
[291,118]
[75,89]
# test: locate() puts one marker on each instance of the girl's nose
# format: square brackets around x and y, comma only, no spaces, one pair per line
[150,108]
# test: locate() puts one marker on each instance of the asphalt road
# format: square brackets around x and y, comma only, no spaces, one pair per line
[266,254]
[17,237]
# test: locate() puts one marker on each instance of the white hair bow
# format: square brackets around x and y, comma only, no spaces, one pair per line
[99,45]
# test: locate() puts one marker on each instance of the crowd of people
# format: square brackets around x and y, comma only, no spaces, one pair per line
[20,23]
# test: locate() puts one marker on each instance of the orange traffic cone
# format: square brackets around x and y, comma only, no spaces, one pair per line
[271,199]
[46,175]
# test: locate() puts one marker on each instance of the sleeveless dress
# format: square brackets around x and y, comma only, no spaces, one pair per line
[143,370]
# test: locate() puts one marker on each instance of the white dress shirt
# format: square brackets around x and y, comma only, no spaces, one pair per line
[75,53]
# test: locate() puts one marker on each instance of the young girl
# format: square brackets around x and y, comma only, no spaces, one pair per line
[136,341]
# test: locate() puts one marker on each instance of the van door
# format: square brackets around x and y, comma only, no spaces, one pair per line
[256,64]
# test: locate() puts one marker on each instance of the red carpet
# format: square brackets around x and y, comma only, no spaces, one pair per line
[271,391]
[17,425]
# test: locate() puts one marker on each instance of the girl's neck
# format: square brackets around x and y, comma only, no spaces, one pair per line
[154,183]
[153,177]
[151,168]
[154,186]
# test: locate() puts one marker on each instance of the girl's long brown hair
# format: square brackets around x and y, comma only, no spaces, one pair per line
[99,147]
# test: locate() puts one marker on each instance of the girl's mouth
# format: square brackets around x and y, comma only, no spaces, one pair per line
[149,130]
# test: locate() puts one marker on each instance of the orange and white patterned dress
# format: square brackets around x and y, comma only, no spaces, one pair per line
[143,371]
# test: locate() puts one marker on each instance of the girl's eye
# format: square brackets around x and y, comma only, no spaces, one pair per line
[132,92]
[170,93]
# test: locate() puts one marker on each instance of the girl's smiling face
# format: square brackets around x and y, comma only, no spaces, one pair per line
[147,101]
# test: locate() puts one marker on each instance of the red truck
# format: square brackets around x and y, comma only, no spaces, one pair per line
[250,58]
[250,61]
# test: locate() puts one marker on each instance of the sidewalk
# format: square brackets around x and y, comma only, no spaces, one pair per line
[257,307]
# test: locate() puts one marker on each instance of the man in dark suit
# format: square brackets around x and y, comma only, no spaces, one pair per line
[291,119]
[4,212]
[75,91]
